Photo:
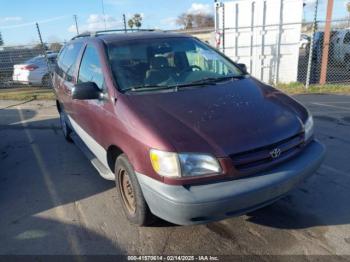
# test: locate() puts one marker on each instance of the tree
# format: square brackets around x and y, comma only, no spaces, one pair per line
[56,47]
[200,20]
[137,20]
[185,20]
[131,23]
[40,47]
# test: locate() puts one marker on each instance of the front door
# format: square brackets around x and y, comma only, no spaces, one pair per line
[89,114]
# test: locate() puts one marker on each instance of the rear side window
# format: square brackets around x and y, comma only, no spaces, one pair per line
[67,60]
[90,68]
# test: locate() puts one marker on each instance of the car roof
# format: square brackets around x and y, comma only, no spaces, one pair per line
[121,37]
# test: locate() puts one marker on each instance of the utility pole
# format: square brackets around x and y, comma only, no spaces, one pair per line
[44,50]
[124,20]
[104,15]
[326,38]
[76,23]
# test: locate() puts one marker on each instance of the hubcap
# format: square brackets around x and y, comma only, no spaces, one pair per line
[127,191]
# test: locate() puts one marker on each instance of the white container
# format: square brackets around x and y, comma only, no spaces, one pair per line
[263,34]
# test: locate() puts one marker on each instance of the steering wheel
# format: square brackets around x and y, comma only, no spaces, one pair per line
[189,68]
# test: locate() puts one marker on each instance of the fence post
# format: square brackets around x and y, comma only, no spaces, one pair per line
[279,40]
[309,63]
[223,27]
[326,41]
[252,22]
[44,51]
[263,32]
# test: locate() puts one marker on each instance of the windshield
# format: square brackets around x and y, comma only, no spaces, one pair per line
[144,64]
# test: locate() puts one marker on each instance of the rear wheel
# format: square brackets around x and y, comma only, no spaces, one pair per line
[66,130]
[46,81]
[130,194]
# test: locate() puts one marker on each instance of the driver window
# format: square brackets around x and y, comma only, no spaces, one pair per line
[90,68]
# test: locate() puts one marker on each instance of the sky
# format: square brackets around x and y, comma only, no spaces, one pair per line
[55,18]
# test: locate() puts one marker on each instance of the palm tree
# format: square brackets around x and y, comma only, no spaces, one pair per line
[131,23]
[137,20]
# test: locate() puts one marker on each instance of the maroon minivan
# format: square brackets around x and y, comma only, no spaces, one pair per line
[188,135]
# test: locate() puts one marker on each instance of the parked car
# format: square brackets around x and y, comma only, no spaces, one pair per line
[318,47]
[35,71]
[187,134]
[341,48]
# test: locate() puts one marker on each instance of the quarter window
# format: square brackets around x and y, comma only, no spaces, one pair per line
[67,60]
[90,68]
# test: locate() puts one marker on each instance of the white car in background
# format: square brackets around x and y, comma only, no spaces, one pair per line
[35,71]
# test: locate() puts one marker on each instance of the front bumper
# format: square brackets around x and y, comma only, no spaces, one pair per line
[204,203]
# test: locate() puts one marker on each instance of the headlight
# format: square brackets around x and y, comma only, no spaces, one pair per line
[183,165]
[198,165]
[309,127]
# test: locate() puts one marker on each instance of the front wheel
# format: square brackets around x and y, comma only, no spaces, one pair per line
[130,194]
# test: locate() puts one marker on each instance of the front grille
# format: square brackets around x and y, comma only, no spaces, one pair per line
[259,159]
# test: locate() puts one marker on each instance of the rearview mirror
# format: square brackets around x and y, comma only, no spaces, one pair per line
[86,91]
[243,68]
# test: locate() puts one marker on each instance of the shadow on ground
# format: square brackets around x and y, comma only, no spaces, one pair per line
[36,182]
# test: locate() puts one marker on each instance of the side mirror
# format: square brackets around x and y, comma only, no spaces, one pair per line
[243,68]
[86,91]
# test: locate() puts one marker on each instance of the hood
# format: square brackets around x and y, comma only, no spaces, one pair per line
[222,119]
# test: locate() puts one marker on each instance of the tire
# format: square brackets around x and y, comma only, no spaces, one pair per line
[130,194]
[46,81]
[66,130]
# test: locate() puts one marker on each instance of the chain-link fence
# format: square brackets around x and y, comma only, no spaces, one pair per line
[268,51]
[27,65]
[337,70]
[33,64]
[278,48]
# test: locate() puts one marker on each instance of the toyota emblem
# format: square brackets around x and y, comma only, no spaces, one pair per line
[275,153]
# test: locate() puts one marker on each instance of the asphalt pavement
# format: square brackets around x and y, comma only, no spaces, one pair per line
[52,200]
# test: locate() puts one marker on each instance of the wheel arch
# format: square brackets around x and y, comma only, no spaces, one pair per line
[113,152]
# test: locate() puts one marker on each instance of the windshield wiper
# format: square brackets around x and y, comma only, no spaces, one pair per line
[147,88]
[209,80]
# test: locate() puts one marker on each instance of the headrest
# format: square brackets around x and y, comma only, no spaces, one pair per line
[159,62]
